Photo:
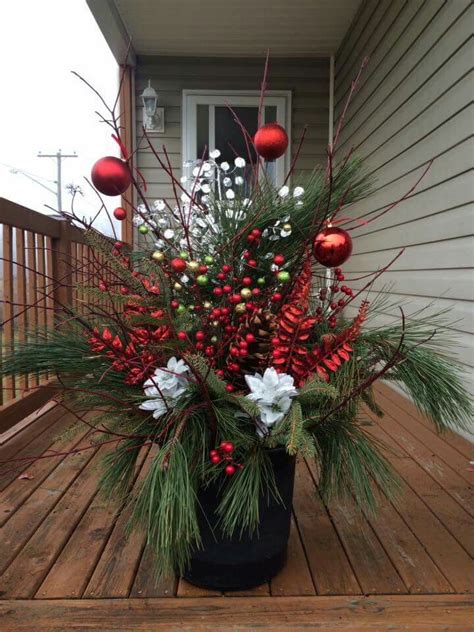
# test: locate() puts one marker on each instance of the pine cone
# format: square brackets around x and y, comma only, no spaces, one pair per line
[257,332]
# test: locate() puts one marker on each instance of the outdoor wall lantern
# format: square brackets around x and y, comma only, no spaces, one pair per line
[153,117]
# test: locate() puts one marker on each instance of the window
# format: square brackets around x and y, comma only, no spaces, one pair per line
[209,124]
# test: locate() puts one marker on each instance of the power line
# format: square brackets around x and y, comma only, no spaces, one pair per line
[26,173]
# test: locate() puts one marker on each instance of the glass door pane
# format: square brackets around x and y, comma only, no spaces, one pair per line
[210,124]
[229,137]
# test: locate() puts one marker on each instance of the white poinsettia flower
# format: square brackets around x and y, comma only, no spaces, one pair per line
[272,393]
[239,162]
[271,415]
[225,166]
[283,192]
[215,153]
[205,188]
[298,192]
[230,195]
[165,386]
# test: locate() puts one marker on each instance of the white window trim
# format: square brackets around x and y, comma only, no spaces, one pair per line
[191,98]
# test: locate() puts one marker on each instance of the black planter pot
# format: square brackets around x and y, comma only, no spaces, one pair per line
[239,563]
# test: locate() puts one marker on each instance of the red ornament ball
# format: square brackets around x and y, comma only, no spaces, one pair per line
[332,247]
[229,470]
[178,265]
[278,260]
[120,213]
[111,175]
[271,141]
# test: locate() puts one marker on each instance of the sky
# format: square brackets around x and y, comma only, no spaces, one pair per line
[44,107]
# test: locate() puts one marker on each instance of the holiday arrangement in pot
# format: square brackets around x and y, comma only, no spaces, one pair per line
[231,342]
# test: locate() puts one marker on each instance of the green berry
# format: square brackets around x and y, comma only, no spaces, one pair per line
[180,309]
[143,229]
[202,279]
[261,281]
[283,276]
[184,255]
[208,260]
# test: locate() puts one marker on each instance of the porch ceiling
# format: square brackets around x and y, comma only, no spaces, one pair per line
[289,28]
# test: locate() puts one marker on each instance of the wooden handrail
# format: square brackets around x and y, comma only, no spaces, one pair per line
[43,258]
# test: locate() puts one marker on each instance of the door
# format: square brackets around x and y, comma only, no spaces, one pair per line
[209,123]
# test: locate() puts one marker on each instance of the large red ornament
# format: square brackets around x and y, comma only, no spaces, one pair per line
[111,175]
[271,141]
[332,247]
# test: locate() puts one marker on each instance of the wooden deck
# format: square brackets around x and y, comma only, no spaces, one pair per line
[67,565]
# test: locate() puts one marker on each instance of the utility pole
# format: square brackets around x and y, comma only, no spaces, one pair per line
[59,157]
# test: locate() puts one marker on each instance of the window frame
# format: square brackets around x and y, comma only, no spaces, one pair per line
[281,99]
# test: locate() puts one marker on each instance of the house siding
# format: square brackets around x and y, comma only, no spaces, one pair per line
[308,80]
[414,104]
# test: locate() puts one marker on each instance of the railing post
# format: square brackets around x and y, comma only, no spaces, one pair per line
[62,272]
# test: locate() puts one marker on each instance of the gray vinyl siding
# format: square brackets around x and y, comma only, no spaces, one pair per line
[414,104]
[308,80]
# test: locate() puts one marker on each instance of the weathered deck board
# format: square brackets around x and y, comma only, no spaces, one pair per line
[19,490]
[327,559]
[456,519]
[69,576]
[26,520]
[68,564]
[400,613]
[30,443]
[146,585]
[452,438]
[118,564]
[26,572]
[295,579]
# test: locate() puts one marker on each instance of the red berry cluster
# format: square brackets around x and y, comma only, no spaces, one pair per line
[329,294]
[137,364]
[223,454]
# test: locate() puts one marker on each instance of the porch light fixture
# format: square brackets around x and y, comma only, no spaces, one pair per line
[153,116]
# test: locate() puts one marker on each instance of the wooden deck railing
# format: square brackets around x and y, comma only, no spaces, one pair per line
[43,259]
